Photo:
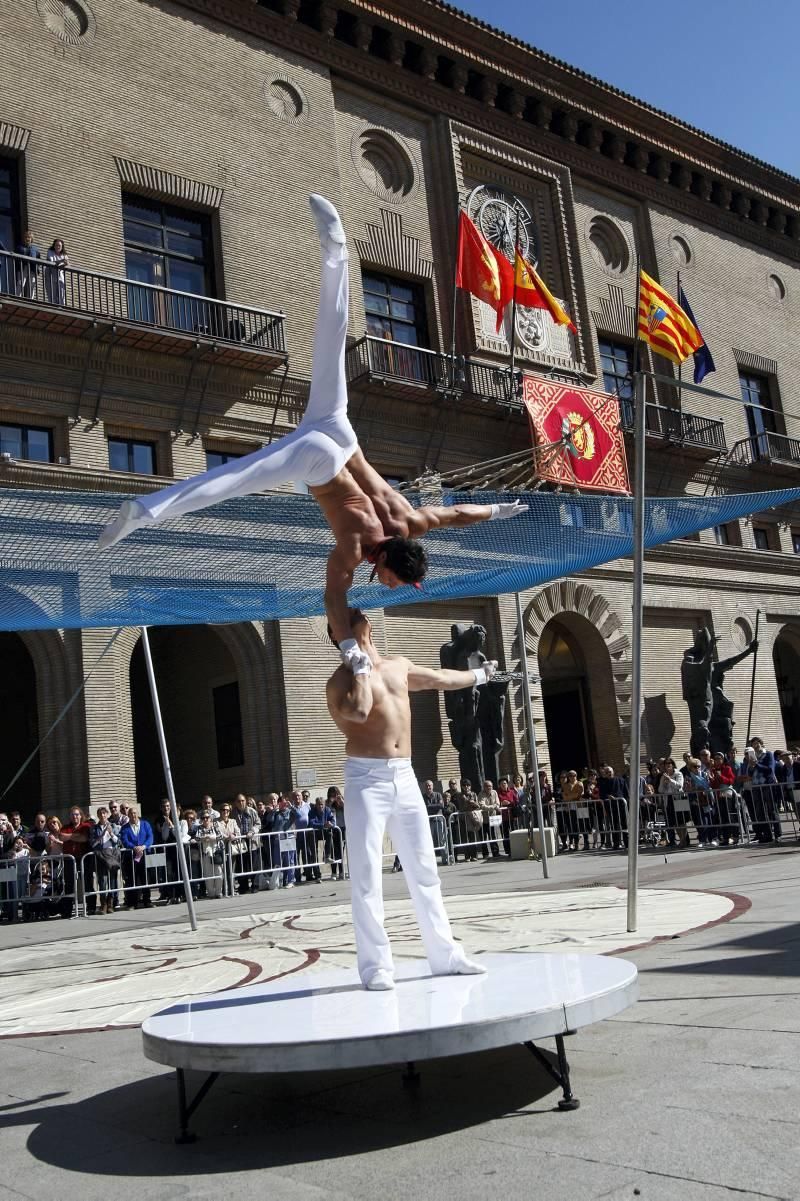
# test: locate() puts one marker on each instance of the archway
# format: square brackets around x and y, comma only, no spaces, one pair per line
[571,737]
[786,658]
[201,707]
[19,729]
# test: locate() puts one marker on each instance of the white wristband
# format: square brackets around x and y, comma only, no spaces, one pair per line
[347,645]
[494,513]
[480,675]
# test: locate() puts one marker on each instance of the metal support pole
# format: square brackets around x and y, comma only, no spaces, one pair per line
[526,701]
[636,650]
[162,742]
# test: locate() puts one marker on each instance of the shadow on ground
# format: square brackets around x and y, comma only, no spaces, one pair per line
[770,952]
[251,1122]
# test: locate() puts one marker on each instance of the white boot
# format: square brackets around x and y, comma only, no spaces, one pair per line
[131,516]
[329,226]
[381,981]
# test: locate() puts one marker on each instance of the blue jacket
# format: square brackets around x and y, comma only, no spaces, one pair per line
[320,820]
[144,838]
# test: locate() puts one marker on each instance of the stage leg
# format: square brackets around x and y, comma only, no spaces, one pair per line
[185,1111]
[560,1074]
[410,1076]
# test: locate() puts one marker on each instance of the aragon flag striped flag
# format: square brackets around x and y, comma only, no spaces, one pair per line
[531,292]
[663,324]
[483,270]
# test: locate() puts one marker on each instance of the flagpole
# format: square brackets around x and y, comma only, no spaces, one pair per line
[680,365]
[637,607]
[455,295]
[511,360]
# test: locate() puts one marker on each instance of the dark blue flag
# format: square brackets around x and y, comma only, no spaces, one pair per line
[703,362]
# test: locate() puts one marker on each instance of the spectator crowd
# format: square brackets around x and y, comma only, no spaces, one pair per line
[119,858]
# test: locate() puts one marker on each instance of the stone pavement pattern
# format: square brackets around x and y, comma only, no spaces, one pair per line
[693,1095]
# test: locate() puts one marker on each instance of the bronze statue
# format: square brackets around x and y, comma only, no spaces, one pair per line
[696,671]
[475,715]
[721,723]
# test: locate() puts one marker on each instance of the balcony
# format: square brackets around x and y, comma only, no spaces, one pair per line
[704,435]
[38,294]
[401,369]
[766,448]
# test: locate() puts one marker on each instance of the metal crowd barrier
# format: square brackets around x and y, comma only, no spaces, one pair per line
[38,886]
[278,859]
[490,838]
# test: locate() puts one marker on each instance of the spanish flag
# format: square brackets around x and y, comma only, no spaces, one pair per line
[531,292]
[664,325]
[482,270]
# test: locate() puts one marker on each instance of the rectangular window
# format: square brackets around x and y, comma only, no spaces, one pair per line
[395,309]
[125,454]
[796,541]
[722,535]
[616,362]
[216,458]
[27,442]
[228,725]
[9,205]
[761,410]
[761,537]
[170,248]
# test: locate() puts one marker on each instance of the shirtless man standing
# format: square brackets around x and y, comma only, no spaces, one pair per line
[369,519]
[371,707]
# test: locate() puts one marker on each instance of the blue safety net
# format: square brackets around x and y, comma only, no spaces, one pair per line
[263,557]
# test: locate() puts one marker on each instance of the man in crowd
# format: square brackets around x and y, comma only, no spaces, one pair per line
[434,805]
[306,843]
[207,806]
[246,860]
[322,822]
[373,711]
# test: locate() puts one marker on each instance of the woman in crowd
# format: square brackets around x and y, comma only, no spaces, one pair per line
[136,836]
[105,845]
[670,789]
[335,802]
[208,840]
[701,800]
[228,829]
[490,807]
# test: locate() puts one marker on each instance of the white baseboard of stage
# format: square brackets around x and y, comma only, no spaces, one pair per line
[522,997]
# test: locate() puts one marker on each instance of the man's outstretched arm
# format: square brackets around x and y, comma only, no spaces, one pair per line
[342,562]
[446,679]
[432,517]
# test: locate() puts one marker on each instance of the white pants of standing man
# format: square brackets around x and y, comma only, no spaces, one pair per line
[383,795]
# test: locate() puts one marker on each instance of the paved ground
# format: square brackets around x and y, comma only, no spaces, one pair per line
[694,1093]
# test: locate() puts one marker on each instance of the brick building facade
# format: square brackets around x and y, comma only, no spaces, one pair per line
[173,147]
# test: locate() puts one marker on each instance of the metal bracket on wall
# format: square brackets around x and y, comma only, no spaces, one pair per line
[201,398]
[103,374]
[187,386]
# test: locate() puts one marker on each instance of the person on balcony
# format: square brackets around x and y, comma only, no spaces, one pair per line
[26,272]
[369,519]
[55,280]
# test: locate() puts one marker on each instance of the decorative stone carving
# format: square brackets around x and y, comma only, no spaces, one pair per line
[458,77]
[608,244]
[660,168]
[681,176]
[568,126]
[70,20]
[721,195]
[486,89]
[741,204]
[616,147]
[428,62]
[384,164]
[397,49]
[702,187]
[759,212]
[327,18]
[362,34]
[516,103]
[285,100]
[640,158]
[777,221]
[542,114]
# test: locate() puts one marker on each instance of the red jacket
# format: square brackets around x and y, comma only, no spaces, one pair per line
[724,778]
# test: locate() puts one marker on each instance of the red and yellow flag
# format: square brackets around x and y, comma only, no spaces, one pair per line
[664,325]
[531,292]
[482,270]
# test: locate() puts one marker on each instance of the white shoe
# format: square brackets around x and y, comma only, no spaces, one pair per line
[714,842]
[289,885]
[381,982]
[329,225]
[461,966]
[131,516]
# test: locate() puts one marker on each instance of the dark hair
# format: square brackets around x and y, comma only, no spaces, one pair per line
[406,558]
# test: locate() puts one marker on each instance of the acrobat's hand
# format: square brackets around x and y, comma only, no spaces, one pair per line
[501,512]
[353,657]
[485,672]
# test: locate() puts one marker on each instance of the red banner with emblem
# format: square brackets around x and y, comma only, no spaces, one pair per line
[586,423]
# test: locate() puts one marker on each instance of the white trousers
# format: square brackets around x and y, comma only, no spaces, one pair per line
[380,795]
[312,454]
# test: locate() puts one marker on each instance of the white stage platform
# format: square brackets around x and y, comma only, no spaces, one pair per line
[521,998]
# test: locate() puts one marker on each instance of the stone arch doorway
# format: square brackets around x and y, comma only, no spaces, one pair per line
[589,655]
[201,706]
[19,729]
[566,696]
[786,659]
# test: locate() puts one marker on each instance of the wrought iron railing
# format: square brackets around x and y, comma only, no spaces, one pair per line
[381,357]
[766,447]
[677,425]
[47,284]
